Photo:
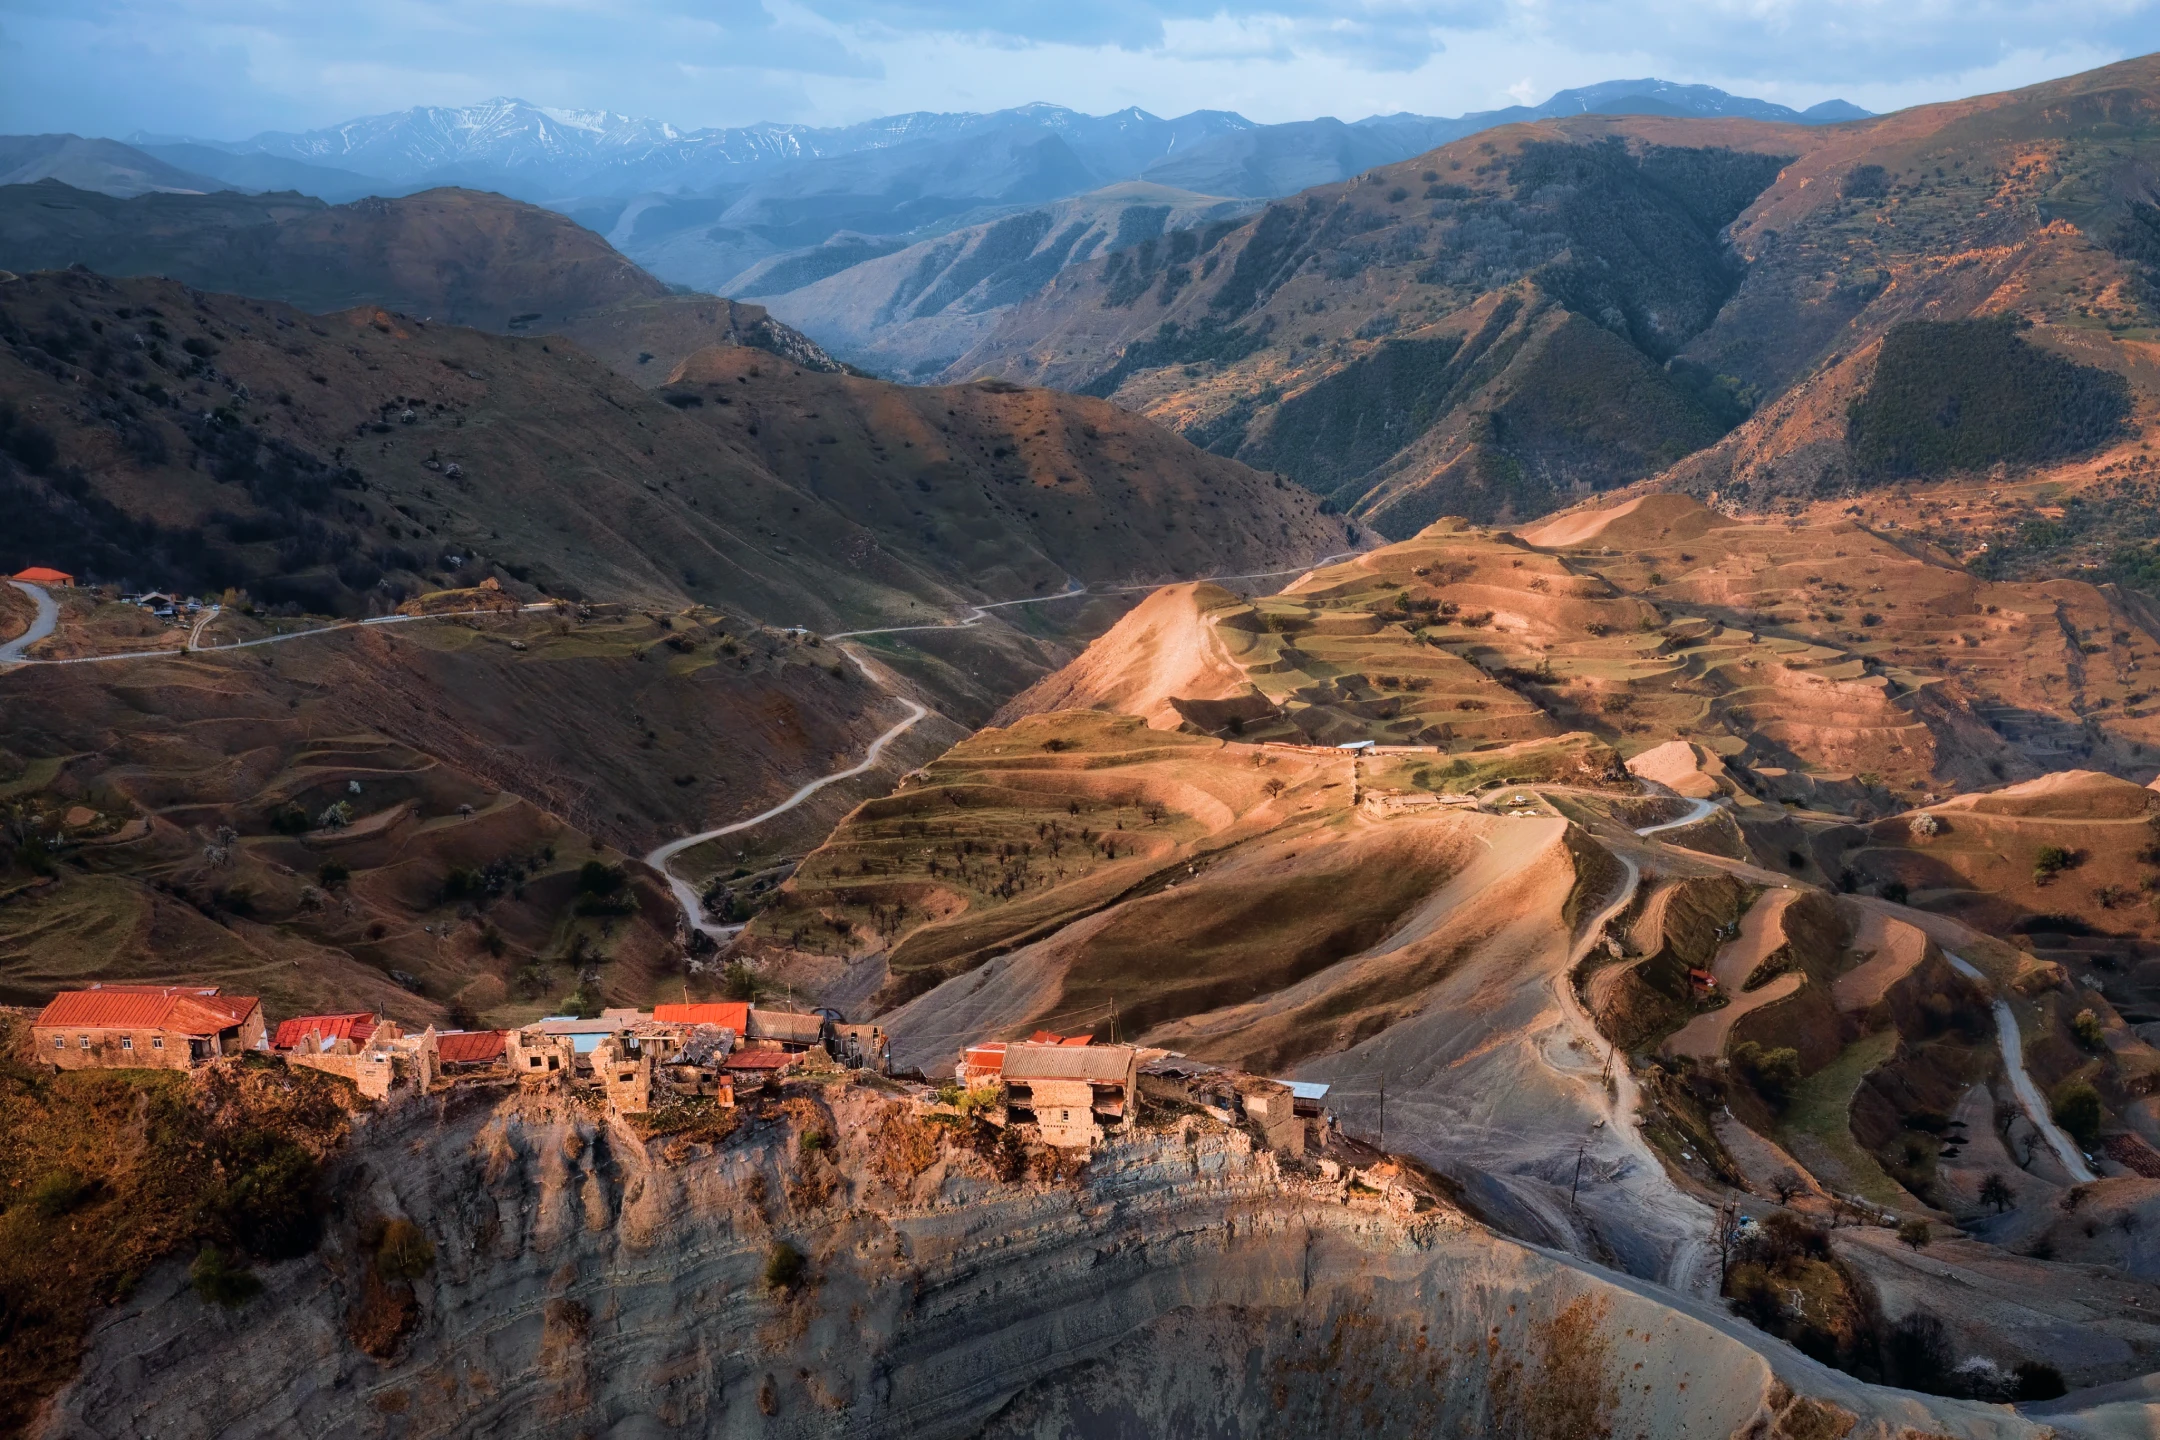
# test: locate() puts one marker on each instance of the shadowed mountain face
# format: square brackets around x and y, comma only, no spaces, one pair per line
[453,256]
[460,257]
[174,438]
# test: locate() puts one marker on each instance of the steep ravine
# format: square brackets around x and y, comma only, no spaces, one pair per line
[589,1284]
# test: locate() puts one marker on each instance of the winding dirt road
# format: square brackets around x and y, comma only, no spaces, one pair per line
[2036,1110]
[49,614]
[686,894]
[1697,810]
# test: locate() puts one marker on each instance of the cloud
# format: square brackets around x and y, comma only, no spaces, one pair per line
[231,67]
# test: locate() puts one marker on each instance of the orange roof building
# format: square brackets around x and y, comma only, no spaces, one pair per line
[157,1027]
[469,1047]
[320,1032]
[730,1015]
[43,575]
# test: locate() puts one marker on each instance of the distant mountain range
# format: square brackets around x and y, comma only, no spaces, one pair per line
[703,207]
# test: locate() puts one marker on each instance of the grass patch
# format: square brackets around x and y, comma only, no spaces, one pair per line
[1818,1120]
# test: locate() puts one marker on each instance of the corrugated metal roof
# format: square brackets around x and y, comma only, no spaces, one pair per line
[469,1047]
[184,1010]
[1107,1063]
[731,1014]
[785,1025]
[290,1033]
[1307,1089]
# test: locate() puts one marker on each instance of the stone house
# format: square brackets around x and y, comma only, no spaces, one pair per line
[160,1027]
[539,1057]
[1073,1093]
[1271,1107]
[624,1070]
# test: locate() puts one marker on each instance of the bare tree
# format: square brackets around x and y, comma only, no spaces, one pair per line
[1786,1184]
[1995,1191]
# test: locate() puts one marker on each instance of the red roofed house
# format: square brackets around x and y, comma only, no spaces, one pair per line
[460,1048]
[730,1015]
[164,1027]
[981,1064]
[43,575]
[322,1032]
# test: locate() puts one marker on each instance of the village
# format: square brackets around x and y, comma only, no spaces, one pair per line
[1069,1093]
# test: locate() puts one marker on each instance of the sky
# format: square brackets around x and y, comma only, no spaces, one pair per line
[227,69]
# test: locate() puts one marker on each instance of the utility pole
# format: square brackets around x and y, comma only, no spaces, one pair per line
[1383,1110]
[1113,1020]
[1576,1185]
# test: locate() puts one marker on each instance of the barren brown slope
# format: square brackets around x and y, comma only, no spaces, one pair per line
[172,438]
[1831,659]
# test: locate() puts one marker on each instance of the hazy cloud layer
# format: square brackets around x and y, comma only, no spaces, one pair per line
[231,67]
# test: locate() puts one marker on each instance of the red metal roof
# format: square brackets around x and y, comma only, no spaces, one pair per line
[1051,1037]
[733,1015]
[44,575]
[183,1010]
[469,1047]
[290,1033]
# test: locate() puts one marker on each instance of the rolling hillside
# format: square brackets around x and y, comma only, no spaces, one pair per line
[455,256]
[1768,312]
[1480,331]
[338,463]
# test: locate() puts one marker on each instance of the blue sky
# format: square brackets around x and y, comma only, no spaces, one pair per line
[228,68]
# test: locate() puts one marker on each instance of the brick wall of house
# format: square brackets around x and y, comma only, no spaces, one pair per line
[111,1049]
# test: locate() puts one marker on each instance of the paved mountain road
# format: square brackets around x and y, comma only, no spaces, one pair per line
[41,624]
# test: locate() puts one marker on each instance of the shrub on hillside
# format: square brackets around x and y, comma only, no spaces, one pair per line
[597,877]
[1772,1073]
[783,1265]
[2077,1110]
[222,1281]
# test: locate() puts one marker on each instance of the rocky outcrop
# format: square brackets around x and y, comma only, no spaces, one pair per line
[587,1282]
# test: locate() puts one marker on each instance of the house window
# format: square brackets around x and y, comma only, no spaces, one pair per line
[157,1042]
[85,1041]
[127,1042]
[59,1042]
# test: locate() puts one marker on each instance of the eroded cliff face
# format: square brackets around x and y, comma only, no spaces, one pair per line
[586,1282]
